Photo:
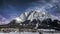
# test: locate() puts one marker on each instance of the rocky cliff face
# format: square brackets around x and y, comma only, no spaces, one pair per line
[41,15]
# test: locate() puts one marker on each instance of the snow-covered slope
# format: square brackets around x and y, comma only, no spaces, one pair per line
[3,20]
[55,17]
[41,15]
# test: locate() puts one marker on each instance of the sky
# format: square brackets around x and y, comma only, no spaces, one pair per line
[13,8]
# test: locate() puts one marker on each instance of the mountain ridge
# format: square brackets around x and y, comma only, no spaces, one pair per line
[41,15]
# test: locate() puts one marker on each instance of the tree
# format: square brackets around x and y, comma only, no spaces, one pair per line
[55,23]
[13,24]
[49,21]
[46,23]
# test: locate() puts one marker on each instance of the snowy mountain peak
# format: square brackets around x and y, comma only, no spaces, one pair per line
[41,15]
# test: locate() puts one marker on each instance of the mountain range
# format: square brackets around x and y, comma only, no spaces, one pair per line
[3,20]
[34,14]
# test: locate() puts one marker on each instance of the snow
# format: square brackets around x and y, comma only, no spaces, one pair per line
[21,33]
[3,20]
[54,17]
[41,15]
[28,33]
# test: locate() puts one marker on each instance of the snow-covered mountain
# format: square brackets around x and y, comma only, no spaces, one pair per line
[41,15]
[3,20]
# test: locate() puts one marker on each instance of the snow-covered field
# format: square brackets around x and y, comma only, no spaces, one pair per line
[21,33]
[27,33]
[51,33]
